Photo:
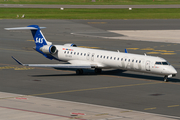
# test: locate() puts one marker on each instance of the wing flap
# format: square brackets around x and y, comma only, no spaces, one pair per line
[57,65]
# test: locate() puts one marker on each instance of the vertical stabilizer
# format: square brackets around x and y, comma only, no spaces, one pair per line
[42,45]
[38,36]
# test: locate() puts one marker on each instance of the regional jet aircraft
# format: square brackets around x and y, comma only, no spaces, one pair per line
[83,58]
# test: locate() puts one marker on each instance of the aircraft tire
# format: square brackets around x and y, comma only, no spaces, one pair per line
[165,78]
[98,71]
[79,71]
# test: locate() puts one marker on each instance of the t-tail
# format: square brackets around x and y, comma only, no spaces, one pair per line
[42,45]
[38,36]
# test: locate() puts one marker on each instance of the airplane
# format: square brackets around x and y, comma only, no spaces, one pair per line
[85,58]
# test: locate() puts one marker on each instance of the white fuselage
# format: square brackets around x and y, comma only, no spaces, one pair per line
[109,59]
[83,58]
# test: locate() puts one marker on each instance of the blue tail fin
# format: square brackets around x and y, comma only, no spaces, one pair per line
[39,39]
[38,36]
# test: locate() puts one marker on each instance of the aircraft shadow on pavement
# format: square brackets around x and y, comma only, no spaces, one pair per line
[119,73]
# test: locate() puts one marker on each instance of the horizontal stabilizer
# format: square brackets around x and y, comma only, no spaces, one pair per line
[24,28]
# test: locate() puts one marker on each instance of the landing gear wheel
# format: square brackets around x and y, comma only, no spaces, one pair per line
[165,78]
[98,71]
[79,71]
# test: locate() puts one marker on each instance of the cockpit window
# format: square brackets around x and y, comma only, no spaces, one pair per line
[158,63]
[162,63]
[165,63]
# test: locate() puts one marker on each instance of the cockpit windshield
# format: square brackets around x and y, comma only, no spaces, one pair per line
[165,63]
[162,63]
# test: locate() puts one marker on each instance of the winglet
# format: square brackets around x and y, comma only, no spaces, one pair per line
[126,51]
[17,61]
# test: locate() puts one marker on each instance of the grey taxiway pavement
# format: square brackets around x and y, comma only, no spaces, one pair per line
[128,90]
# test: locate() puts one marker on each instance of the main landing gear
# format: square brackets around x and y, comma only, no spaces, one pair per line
[96,70]
[79,71]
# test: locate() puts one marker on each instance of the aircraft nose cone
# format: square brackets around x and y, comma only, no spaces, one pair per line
[174,71]
[170,70]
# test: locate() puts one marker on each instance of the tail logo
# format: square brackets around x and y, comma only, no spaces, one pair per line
[39,40]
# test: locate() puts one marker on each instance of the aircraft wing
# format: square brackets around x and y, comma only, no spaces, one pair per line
[58,65]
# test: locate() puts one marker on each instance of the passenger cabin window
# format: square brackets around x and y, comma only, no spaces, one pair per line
[136,61]
[64,51]
[71,52]
[129,60]
[101,56]
[68,52]
[121,59]
[140,61]
[74,53]
[84,54]
[81,53]
[114,58]
[111,58]
[104,57]
[118,59]
[107,57]
[132,60]
[77,53]
[97,56]
[125,59]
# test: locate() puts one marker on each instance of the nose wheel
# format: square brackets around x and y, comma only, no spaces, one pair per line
[165,78]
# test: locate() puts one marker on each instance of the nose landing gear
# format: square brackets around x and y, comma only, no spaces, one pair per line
[168,76]
[165,78]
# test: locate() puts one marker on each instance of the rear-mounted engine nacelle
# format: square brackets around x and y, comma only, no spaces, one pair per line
[70,45]
[48,49]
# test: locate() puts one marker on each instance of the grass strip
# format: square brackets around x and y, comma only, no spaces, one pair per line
[31,13]
[92,2]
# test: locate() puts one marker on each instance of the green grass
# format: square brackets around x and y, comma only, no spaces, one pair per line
[11,13]
[89,2]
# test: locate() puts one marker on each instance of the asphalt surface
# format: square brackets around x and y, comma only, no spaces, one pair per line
[85,6]
[128,90]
